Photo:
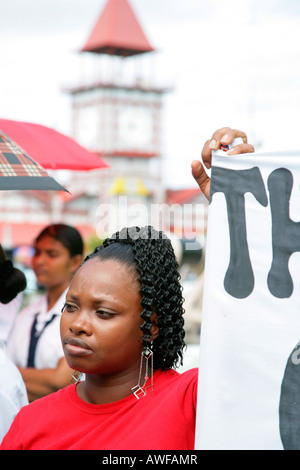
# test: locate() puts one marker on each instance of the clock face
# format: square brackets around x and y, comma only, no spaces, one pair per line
[135,128]
[88,127]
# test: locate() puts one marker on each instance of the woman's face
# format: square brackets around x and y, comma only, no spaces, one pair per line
[52,263]
[100,325]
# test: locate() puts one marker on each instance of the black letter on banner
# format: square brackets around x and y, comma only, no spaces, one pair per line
[289,404]
[285,233]
[239,278]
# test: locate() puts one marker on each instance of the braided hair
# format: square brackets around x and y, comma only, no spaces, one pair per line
[150,255]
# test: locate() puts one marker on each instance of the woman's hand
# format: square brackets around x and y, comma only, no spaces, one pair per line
[222,136]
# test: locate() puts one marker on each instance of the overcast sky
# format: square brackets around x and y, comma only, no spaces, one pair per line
[233,62]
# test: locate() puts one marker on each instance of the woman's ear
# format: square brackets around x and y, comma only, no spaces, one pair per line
[154,329]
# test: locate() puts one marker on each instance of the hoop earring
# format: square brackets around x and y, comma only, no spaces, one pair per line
[76,376]
[147,366]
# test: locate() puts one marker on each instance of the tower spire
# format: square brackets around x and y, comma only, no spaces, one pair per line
[117,32]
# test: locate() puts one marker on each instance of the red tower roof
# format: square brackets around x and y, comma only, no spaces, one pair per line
[117,32]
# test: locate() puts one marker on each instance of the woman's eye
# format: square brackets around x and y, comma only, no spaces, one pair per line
[104,314]
[68,307]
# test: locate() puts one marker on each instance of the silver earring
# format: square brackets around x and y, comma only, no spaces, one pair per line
[146,368]
[76,376]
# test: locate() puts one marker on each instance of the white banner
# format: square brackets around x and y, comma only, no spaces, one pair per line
[249,371]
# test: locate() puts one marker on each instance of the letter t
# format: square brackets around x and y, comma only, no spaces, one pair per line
[239,278]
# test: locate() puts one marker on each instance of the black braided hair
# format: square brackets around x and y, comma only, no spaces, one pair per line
[12,280]
[151,256]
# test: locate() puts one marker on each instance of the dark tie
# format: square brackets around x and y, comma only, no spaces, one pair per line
[34,337]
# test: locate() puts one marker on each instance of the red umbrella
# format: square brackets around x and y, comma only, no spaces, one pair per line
[19,171]
[50,148]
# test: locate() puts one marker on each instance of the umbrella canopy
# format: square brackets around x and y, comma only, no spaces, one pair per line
[19,171]
[50,148]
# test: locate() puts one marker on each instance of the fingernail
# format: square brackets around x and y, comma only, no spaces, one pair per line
[213,144]
[225,139]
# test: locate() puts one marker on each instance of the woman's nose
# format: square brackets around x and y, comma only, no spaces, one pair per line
[81,323]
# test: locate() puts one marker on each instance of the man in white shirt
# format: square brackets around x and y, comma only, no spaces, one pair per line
[12,392]
[8,313]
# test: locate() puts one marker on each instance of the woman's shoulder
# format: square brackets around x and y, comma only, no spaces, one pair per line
[177,391]
[190,376]
[185,378]
[185,375]
[30,310]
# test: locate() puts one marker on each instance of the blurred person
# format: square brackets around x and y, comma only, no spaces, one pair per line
[13,395]
[12,284]
[12,388]
[34,344]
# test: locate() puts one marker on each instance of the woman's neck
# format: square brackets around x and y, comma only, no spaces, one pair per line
[97,390]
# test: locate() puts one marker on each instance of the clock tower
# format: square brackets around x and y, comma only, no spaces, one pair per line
[119,114]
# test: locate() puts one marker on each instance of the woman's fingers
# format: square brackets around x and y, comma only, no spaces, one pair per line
[225,136]
[201,177]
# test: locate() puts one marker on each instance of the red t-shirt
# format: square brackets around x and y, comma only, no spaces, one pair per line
[164,419]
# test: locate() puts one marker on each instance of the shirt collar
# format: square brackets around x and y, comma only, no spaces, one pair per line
[44,315]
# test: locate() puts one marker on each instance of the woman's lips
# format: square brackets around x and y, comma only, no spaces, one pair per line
[77,347]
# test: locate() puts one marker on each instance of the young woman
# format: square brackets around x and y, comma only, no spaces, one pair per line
[34,345]
[122,326]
